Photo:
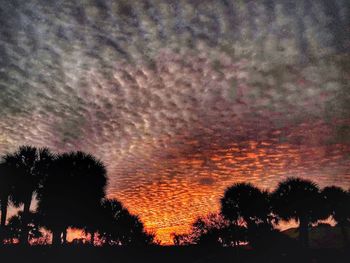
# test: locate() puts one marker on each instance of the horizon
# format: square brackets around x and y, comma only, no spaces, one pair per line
[181,100]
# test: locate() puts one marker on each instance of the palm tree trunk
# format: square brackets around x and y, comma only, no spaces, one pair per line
[64,236]
[92,239]
[4,204]
[304,232]
[24,236]
[56,238]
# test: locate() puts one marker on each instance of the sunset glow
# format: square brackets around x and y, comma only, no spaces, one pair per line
[180,100]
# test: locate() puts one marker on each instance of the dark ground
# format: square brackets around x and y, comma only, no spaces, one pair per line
[168,255]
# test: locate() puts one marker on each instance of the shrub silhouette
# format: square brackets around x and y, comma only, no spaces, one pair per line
[212,230]
[15,227]
[118,227]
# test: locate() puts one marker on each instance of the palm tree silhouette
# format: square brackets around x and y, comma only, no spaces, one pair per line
[29,166]
[337,202]
[300,200]
[245,204]
[71,193]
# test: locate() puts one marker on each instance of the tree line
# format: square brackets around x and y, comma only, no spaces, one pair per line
[70,192]
[249,215]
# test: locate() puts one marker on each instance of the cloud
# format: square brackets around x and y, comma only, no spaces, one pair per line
[180,99]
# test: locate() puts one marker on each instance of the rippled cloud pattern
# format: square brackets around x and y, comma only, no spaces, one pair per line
[182,98]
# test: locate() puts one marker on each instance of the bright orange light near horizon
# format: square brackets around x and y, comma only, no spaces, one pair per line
[180,99]
[171,203]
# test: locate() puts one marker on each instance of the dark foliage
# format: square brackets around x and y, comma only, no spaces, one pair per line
[27,168]
[70,190]
[72,193]
[118,227]
[6,194]
[212,230]
[246,202]
[246,205]
[337,204]
[15,227]
[300,200]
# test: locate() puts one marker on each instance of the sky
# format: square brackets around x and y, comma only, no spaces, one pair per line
[181,99]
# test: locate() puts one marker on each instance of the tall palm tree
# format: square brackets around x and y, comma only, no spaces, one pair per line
[337,202]
[71,193]
[246,204]
[243,201]
[300,200]
[9,174]
[30,166]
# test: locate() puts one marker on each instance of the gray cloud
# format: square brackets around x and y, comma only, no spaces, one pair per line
[180,98]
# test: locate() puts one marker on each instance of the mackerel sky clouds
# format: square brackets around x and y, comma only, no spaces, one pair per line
[180,99]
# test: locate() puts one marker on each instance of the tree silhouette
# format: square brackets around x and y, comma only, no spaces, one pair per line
[207,230]
[245,204]
[181,239]
[107,226]
[212,230]
[337,203]
[118,227]
[15,227]
[71,193]
[300,200]
[70,189]
[28,166]
[132,231]
[6,190]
